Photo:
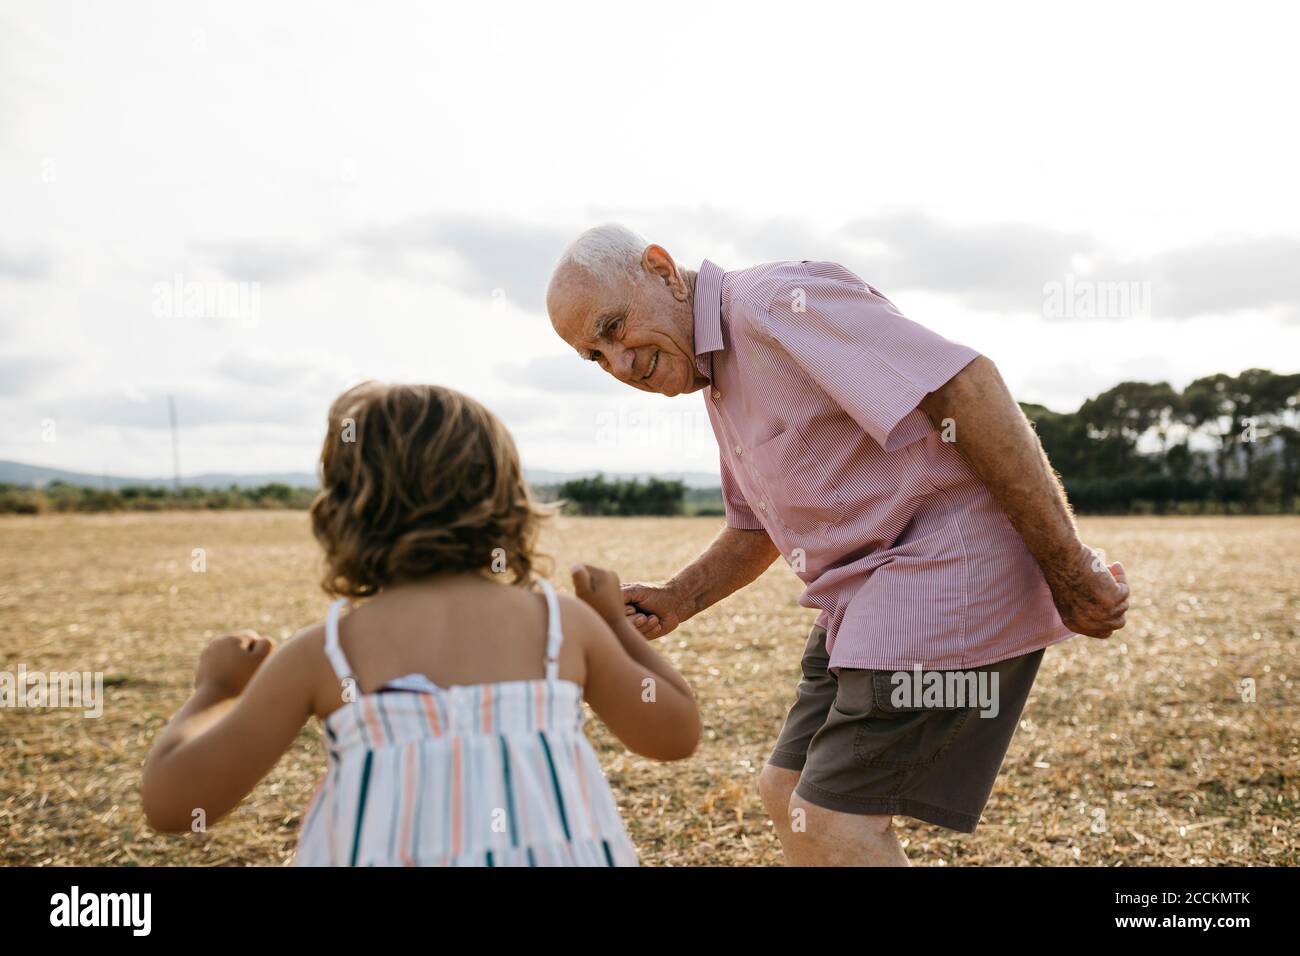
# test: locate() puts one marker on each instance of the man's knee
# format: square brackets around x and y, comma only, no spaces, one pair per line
[776,787]
[820,825]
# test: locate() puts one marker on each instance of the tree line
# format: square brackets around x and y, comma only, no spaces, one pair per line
[1225,443]
[58,497]
[623,496]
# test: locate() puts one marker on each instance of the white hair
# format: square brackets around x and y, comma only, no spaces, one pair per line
[607,252]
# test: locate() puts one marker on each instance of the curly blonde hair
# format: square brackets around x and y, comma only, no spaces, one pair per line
[419,480]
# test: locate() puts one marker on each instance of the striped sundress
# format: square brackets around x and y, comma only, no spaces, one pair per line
[471,775]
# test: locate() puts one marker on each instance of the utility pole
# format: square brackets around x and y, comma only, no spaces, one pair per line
[176,444]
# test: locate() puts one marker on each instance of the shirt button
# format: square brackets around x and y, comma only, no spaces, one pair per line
[762,506]
[739,450]
[717,394]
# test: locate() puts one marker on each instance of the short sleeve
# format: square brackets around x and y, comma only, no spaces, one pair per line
[737,508]
[872,361]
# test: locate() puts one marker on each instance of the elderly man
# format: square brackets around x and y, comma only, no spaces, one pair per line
[897,476]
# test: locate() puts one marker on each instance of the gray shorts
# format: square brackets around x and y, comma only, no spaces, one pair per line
[866,743]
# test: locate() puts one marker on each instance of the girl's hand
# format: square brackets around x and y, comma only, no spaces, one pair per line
[228,663]
[599,588]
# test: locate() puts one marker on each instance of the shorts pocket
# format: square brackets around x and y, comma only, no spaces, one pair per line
[889,735]
[815,662]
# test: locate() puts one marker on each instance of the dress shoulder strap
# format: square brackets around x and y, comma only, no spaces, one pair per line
[554,634]
[333,649]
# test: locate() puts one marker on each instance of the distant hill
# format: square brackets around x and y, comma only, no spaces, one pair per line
[37,476]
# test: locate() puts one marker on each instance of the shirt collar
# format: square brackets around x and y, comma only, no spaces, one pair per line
[707,309]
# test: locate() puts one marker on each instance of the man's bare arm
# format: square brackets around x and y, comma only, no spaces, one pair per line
[1003,449]
[735,558]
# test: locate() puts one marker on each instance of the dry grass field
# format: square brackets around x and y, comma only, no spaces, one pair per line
[1135,751]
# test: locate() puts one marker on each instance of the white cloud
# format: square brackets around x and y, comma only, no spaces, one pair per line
[398,185]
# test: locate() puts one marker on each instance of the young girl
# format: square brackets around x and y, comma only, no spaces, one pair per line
[451,700]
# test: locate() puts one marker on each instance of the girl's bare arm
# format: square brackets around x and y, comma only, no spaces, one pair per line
[248,706]
[634,690]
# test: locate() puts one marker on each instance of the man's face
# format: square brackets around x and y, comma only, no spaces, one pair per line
[639,328]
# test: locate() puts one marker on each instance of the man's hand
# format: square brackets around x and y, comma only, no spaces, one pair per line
[653,609]
[736,557]
[1091,596]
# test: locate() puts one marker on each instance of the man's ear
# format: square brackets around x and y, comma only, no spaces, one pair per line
[656,260]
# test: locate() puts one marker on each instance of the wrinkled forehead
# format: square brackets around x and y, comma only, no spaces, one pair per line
[579,304]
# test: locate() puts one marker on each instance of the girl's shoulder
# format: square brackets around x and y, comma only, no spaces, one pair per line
[579,620]
[310,637]
[307,644]
[303,656]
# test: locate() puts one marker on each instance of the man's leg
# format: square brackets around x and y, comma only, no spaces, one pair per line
[814,836]
[875,757]
[813,699]
[821,837]
[776,787]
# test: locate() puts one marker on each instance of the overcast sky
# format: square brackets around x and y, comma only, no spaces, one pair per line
[388,186]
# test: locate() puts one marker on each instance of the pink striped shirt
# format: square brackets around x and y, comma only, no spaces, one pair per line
[815,379]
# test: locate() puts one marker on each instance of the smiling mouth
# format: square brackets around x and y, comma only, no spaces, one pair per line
[654,364]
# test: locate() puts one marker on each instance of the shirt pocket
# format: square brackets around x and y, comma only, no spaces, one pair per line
[799,496]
